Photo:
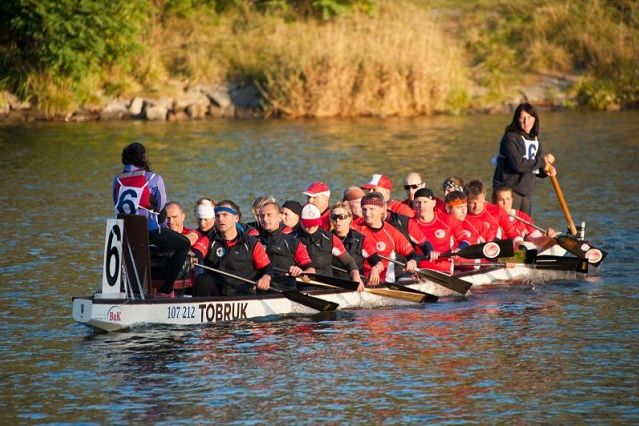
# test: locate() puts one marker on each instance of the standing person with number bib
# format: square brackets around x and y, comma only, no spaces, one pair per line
[137,190]
[521,157]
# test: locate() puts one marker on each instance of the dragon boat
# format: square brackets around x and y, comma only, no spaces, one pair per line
[123,301]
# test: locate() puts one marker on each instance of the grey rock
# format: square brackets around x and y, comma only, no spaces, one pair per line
[136,106]
[196,111]
[191,97]
[154,112]
[218,112]
[116,110]
[218,95]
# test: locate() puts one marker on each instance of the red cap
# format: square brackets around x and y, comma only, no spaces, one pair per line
[318,188]
[380,181]
[311,216]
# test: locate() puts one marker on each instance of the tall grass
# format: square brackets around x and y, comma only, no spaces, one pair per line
[403,57]
[396,62]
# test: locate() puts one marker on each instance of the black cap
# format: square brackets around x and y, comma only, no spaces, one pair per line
[293,206]
[424,192]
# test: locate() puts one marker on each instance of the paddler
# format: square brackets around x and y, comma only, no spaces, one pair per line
[389,242]
[229,249]
[139,191]
[319,194]
[324,246]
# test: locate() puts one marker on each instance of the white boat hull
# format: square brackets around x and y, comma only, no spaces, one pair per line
[121,313]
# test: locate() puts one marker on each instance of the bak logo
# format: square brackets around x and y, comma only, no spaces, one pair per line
[114,314]
[219,252]
[491,250]
[440,233]
[381,246]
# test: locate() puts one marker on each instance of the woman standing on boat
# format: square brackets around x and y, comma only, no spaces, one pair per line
[137,190]
[521,157]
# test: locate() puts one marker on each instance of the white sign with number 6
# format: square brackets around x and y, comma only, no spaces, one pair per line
[112,267]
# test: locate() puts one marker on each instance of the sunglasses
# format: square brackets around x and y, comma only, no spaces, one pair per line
[413,186]
[336,217]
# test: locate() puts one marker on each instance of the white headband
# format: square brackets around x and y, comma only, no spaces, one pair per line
[205,211]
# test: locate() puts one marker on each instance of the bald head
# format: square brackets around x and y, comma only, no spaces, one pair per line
[412,182]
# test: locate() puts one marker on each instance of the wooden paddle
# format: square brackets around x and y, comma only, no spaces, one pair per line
[380,291]
[294,295]
[489,250]
[452,283]
[392,287]
[556,263]
[564,206]
[580,249]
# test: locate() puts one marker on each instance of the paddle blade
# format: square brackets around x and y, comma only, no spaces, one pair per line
[310,301]
[336,282]
[431,298]
[397,294]
[581,249]
[452,283]
[489,250]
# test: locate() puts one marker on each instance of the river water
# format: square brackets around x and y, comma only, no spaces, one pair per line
[560,352]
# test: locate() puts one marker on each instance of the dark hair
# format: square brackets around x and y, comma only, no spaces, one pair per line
[454,196]
[229,203]
[514,125]
[501,187]
[474,188]
[135,154]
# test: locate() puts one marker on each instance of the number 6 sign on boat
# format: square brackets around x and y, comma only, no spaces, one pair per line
[112,267]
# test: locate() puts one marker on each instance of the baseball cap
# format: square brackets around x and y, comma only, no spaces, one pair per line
[311,216]
[379,181]
[318,188]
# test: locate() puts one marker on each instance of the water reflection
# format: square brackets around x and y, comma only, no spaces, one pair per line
[536,352]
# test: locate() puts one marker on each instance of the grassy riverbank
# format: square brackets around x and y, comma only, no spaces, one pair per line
[349,58]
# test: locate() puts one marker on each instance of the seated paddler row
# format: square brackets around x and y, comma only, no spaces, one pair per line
[367,236]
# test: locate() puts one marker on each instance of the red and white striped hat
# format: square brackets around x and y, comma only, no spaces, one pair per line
[380,181]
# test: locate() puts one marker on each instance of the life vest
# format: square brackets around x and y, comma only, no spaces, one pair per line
[236,260]
[280,248]
[133,193]
[320,248]
[353,242]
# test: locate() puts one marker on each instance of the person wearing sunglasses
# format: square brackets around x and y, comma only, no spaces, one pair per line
[412,182]
[324,247]
[361,248]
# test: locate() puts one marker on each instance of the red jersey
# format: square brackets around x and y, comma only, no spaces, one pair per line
[520,227]
[492,223]
[440,207]
[388,242]
[401,208]
[326,220]
[439,234]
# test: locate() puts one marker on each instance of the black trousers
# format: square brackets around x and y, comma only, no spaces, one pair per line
[523,203]
[167,239]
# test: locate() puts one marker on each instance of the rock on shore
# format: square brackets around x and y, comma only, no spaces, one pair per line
[244,100]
